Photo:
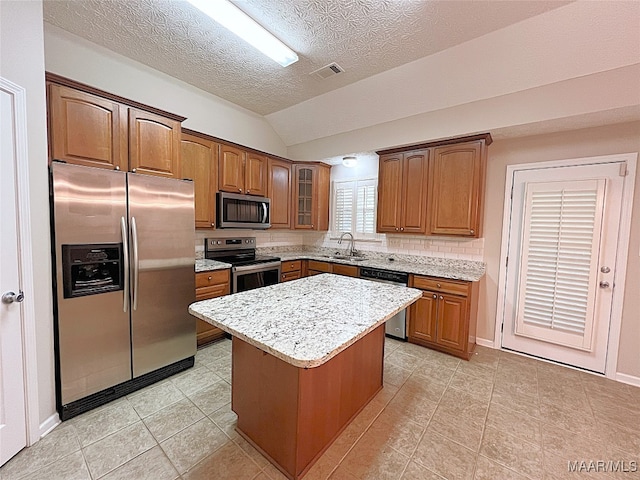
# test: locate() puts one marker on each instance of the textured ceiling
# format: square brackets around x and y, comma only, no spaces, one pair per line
[365,37]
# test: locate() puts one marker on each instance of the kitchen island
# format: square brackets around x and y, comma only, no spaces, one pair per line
[307,356]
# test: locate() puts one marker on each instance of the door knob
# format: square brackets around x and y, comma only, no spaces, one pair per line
[605,269]
[10,297]
[604,284]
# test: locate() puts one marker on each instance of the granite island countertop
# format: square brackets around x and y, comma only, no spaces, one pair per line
[306,322]
[453,269]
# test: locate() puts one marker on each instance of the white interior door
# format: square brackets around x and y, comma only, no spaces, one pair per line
[563,239]
[13,431]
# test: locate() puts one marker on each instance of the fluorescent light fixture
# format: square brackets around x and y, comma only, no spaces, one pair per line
[349,161]
[235,20]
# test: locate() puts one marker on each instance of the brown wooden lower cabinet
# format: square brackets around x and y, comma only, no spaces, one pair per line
[291,270]
[210,285]
[445,317]
[348,270]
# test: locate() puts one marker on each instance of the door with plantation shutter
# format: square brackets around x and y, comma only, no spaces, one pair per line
[562,250]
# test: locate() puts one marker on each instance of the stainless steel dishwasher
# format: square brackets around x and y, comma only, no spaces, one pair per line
[396,326]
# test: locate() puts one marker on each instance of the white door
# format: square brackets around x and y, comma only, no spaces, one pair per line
[562,251]
[13,431]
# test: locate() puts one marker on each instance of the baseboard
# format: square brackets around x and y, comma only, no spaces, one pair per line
[483,342]
[628,379]
[49,424]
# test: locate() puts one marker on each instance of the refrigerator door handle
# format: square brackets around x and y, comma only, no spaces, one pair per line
[136,266]
[125,255]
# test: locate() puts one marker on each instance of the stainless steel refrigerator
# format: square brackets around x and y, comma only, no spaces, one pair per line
[124,278]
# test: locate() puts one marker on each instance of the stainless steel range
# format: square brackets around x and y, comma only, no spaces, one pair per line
[248,269]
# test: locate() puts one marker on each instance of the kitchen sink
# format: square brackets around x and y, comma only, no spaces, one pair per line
[345,257]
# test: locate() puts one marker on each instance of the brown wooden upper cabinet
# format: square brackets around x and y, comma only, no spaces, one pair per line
[85,129]
[199,162]
[402,192]
[311,196]
[457,175]
[434,188]
[242,172]
[279,192]
[94,128]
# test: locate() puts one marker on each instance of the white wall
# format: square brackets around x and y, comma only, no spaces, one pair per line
[22,62]
[73,57]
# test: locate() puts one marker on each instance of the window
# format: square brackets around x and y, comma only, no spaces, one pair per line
[354,207]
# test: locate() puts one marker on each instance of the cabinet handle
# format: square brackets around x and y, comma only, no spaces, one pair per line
[435,296]
[396,229]
[209,277]
[472,232]
[441,297]
[248,191]
[133,170]
[402,229]
[117,167]
[213,224]
[438,285]
[240,190]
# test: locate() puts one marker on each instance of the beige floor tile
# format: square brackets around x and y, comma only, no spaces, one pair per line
[573,446]
[96,424]
[193,444]
[516,386]
[226,419]
[341,473]
[155,398]
[371,459]
[445,457]
[251,452]
[228,462]
[273,473]
[414,406]
[59,443]
[463,431]
[615,413]
[391,345]
[346,440]
[213,397]
[516,454]
[489,470]
[517,424]
[172,419]
[323,468]
[403,360]
[194,379]
[71,467]
[424,387]
[478,386]
[460,404]
[394,375]
[221,366]
[434,373]
[519,402]
[396,431]
[477,371]
[118,448]
[261,476]
[418,472]
[485,356]
[151,465]
[385,395]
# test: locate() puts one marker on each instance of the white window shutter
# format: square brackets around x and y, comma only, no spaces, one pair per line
[560,249]
[366,208]
[343,207]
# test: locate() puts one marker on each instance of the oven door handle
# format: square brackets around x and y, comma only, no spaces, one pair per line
[260,267]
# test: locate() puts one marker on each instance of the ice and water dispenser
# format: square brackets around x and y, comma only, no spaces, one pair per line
[91,269]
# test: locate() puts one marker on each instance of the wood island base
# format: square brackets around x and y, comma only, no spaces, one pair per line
[292,414]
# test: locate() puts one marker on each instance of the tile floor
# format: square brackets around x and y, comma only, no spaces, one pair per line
[499,416]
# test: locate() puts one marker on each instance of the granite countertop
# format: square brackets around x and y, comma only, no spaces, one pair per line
[432,267]
[206,265]
[306,322]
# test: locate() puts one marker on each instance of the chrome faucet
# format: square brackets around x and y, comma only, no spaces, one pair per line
[351,249]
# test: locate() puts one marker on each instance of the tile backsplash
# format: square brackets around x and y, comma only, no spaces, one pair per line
[440,247]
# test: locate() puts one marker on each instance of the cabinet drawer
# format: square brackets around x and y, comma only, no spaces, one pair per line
[285,277]
[203,293]
[348,270]
[215,277]
[320,266]
[439,285]
[291,266]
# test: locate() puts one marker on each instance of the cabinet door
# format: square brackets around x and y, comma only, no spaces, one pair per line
[389,197]
[154,144]
[279,192]
[322,192]
[87,130]
[255,178]
[452,322]
[457,183]
[414,192]
[422,318]
[231,169]
[199,162]
[348,270]
[304,192]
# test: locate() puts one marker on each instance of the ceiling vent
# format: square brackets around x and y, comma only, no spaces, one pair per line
[328,71]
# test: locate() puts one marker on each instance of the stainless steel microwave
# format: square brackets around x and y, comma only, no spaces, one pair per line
[243,211]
